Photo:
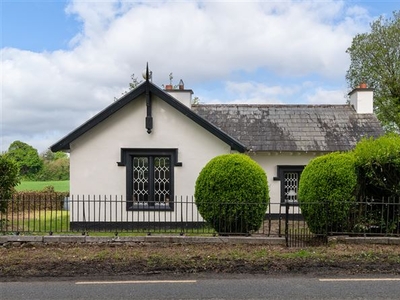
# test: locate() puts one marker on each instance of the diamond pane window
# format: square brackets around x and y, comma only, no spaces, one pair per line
[151,182]
[161,179]
[291,183]
[140,179]
[289,177]
[149,178]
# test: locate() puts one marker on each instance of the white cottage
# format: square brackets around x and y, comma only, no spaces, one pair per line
[149,147]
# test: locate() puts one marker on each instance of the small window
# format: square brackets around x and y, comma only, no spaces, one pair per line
[151,182]
[290,186]
[290,178]
[149,178]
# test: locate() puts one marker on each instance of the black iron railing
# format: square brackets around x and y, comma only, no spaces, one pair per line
[57,214]
[50,214]
[369,217]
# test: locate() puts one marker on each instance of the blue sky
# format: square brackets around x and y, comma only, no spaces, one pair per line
[63,61]
[37,25]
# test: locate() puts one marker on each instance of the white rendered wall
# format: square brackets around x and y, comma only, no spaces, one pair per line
[362,100]
[94,155]
[270,162]
[184,96]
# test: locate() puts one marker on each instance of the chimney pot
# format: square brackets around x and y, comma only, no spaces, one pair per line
[181,85]
[363,85]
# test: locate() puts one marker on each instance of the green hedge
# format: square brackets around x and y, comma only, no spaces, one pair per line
[378,166]
[232,194]
[9,178]
[327,190]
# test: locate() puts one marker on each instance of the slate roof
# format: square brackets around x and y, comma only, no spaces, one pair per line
[292,128]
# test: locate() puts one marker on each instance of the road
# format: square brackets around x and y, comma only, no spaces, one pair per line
[238,287]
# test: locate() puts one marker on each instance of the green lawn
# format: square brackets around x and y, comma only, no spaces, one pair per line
[44,221]
[59,186]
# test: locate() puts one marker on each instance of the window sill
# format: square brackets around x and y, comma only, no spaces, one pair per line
[146,207]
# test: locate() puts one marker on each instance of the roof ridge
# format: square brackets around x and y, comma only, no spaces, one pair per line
[270,105]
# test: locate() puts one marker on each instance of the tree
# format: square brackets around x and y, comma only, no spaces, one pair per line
[49,155]
[26,157]
[375,60]
[8,180]
[232,194]
[55,166]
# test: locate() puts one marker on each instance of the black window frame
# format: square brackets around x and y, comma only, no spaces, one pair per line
[281,170]
[127,157]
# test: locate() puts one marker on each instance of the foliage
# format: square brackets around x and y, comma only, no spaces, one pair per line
[55,166]
[135,82]
[47,166]
[196,100]
[26,157]
[327,190]
[232,193]
[378,166]
[49,155]
[9,178]
[132,85]
[375,60]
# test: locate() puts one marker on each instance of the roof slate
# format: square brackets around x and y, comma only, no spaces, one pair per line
[292,128]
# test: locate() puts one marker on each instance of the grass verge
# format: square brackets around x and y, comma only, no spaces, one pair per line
[123,259]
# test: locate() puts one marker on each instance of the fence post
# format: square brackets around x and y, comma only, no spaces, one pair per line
[287,223]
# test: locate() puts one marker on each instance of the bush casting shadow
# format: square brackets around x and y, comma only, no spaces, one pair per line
[232,194]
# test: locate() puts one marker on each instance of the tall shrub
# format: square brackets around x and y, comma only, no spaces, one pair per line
[9,178]
[378,170]
[327,191]
[378,166]
[232,194]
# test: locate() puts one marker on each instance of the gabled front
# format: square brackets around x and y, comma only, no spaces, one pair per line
[146,148]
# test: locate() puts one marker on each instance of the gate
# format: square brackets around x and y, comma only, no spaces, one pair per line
[297,233]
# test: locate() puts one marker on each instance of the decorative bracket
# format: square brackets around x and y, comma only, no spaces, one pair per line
[149,118]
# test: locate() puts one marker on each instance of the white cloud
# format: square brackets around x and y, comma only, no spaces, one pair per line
[254,92]
[45,95]
[325,96]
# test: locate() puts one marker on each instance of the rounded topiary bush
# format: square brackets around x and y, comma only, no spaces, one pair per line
[232,194]
[327,192]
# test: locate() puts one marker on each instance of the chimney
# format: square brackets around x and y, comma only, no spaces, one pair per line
[362,99]
[180,94]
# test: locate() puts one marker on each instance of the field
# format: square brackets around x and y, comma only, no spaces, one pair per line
[59,186]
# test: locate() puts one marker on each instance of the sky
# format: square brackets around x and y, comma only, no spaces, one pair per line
[63,61]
